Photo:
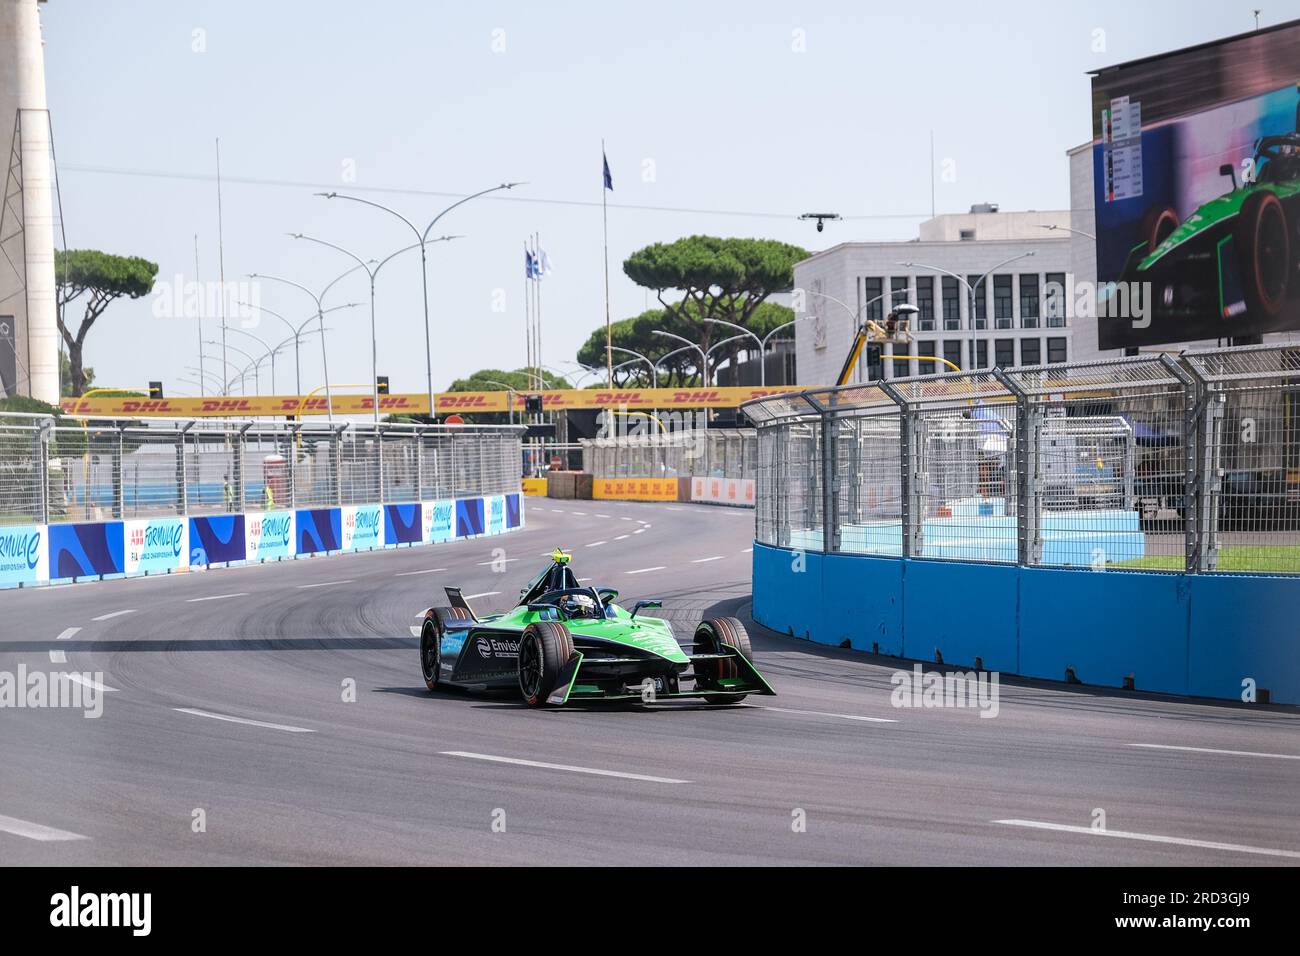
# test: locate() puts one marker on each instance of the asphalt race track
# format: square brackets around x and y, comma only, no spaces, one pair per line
[228,691]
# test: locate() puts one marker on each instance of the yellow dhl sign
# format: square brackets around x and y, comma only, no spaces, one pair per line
[248,406]
[634,489]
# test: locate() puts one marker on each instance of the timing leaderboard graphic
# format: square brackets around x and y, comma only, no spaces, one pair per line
[1196,171]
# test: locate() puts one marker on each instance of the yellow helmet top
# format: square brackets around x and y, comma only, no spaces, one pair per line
[560,556]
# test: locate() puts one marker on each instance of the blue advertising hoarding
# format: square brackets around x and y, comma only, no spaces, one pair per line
[24,555]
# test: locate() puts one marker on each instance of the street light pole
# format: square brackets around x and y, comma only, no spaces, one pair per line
[654,376]
[969,287]
[422,239]
[762,366]
[320,318]
[297,335]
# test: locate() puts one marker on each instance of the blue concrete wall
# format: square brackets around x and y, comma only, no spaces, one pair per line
[1200,634]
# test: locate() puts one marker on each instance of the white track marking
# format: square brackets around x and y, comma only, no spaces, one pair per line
[216,597]
[416,629]
[659,567]
[561,766]
[67,633]
[819,713]
[580,580]
[624,519]
[716,557]
[748,551]
[481,594]
[105,617]
[621,537]
[97,685]
[58,657]
[1211,750]
[322,584]
[1151,838]
[243,720]
[581,514]
[602,516]
[484,564]
[407,574]
[34,831]
[638,530]
[597,544]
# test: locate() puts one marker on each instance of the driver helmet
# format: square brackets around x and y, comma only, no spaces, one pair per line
[578,605]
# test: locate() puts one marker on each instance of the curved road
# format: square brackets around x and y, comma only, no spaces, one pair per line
[228,697]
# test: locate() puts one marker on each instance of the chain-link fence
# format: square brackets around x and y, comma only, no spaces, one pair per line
[1155,463]
[63,470]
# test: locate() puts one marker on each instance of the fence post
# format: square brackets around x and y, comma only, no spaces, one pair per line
[241,449]
[1200,482]
[291,472]
[336,462]
[379,448]
[908,458]
[1029,540]
[182,485]
[830,486]
[118,471]
[42,469]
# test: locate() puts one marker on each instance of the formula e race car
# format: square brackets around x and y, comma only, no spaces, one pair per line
[564,643]
[1237,254]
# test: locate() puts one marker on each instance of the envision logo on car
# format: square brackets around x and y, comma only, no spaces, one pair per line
[484,647]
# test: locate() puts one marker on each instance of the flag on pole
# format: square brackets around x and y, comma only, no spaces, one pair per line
[528,264]
[609,179]
[543,263]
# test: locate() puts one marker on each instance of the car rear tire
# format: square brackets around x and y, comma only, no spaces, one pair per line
[1264,248]
[544,649]
[712,636]
[431,642]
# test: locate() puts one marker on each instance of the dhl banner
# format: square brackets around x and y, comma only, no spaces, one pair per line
[247,406]
[634,489]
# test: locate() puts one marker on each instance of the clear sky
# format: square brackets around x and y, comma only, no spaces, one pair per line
[730,118]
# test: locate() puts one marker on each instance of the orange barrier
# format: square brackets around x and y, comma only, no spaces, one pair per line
[634,489]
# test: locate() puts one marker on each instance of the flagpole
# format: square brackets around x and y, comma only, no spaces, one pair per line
[604,215]
[528,313]
[537,241]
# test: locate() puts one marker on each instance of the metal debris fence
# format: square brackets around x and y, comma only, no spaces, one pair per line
[55,470]
[1149,463]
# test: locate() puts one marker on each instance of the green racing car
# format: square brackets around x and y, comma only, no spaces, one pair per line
[565,643]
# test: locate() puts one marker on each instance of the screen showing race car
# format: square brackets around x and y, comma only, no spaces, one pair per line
[1196,172]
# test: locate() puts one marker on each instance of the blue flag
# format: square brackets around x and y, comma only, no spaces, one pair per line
[609,180]
[529,268]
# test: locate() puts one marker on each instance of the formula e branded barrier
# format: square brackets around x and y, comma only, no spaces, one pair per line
[40,554]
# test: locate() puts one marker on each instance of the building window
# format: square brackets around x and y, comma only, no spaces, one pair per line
[981,303]
[871,290]
[875,367]
[897,290]
[952,305]
[1004,353]
[1054,300]
[925,302]
[1056,351]
[1029,301]
[1031,351]
[952,353]
[1002,314]
[902,367]
[981,359]
[925,348]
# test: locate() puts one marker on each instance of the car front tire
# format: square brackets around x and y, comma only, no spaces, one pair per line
[712,636]
[544,649]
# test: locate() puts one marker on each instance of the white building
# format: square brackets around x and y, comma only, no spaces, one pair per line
[1016,263]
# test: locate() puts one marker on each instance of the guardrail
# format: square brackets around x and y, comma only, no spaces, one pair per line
[964,517]
[105,498]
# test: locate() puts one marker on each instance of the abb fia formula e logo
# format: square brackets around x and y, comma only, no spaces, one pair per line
[156,544]
[269,535]
[363,527]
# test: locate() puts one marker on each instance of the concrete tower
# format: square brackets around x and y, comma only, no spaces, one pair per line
[29,333]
